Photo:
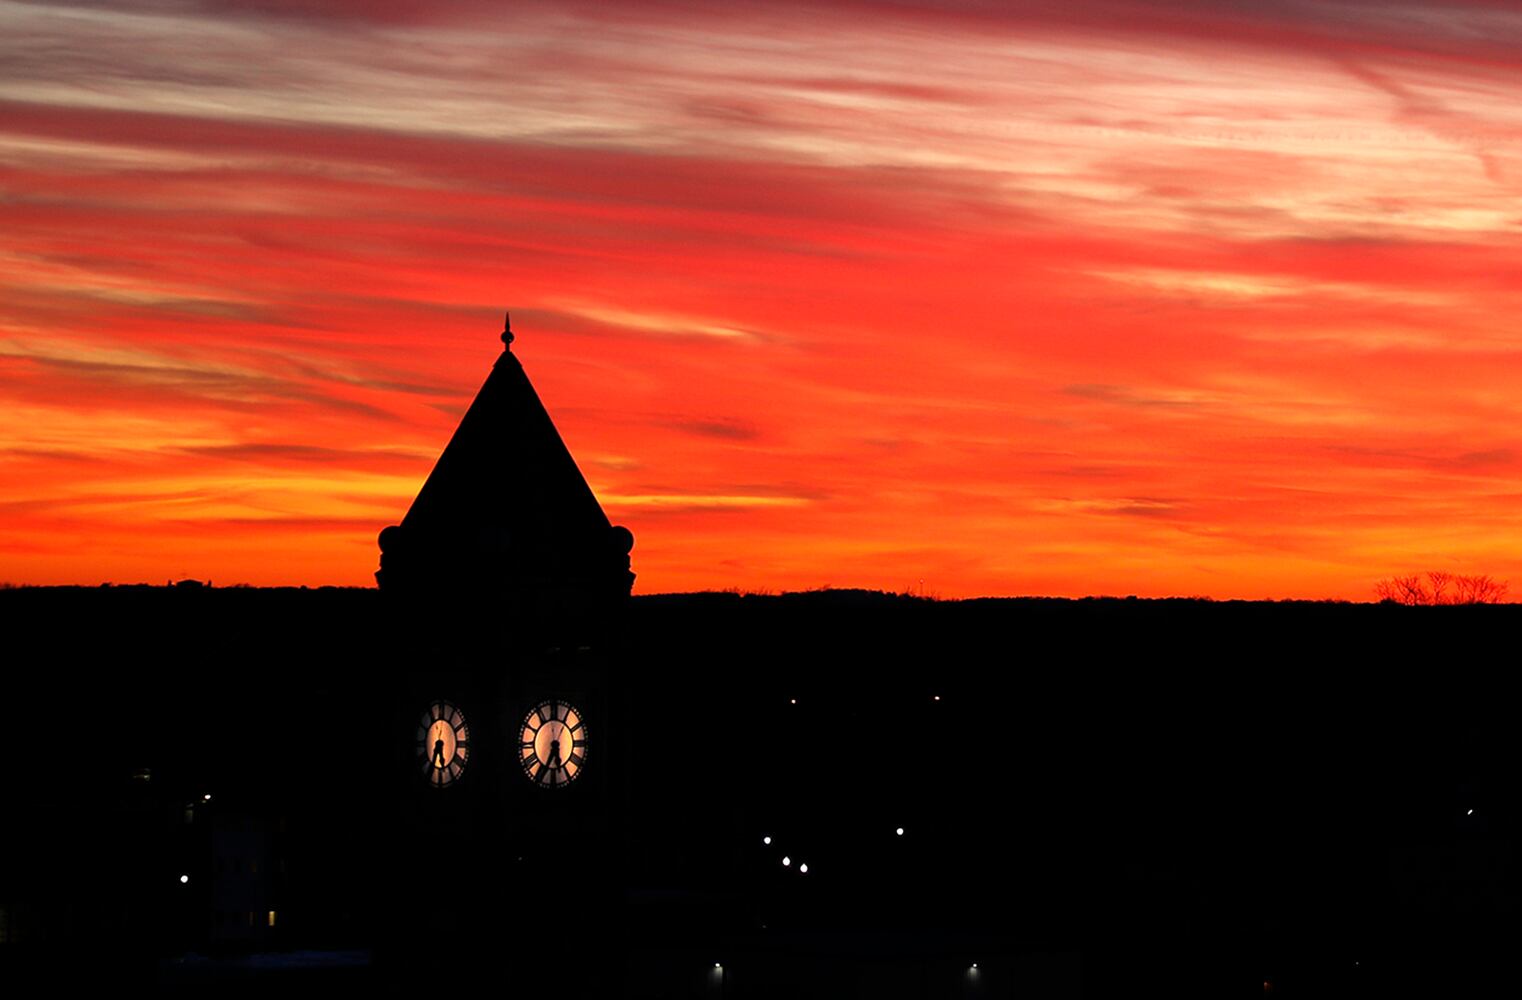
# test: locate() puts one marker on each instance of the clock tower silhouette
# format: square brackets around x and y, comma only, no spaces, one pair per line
[504,587]
[507,513]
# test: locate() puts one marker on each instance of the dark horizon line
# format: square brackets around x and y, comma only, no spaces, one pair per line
[826,592]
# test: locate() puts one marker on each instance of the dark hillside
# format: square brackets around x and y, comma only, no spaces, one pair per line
[1169,790]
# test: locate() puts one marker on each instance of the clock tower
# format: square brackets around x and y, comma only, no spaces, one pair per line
[503,587]
[507,513]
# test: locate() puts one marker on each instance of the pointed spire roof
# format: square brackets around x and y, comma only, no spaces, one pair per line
[506,507]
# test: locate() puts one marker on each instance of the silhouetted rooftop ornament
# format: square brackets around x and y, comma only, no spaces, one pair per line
[507,512]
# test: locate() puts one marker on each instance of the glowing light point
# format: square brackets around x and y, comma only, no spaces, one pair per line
[206,798]
[803,869]
[937,698]
[792,701]
[899,831]
[716,965]
[1469,813]
[184,879]
[786,861]
[766,840]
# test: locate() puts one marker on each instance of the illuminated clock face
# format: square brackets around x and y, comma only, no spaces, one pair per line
[443,744]
[553,744]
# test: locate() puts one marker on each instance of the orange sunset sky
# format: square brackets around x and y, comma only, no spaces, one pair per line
[1083,297]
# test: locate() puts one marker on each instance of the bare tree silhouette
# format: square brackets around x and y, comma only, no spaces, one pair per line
[1437,587]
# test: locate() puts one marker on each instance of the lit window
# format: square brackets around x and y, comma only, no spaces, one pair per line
[272,918]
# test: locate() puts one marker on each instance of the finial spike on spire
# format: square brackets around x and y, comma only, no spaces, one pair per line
[507,331]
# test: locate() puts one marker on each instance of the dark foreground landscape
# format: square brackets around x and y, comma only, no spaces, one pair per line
[217,788]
